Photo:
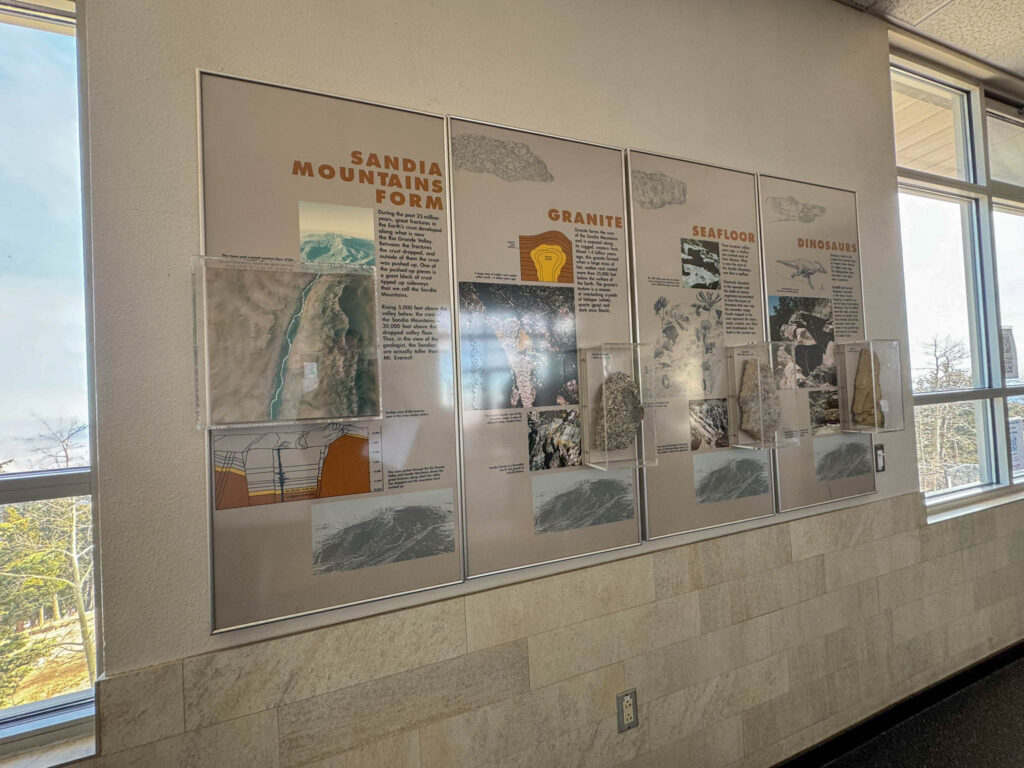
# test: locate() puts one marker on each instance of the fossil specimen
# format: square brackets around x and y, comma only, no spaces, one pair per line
[867,410]
[759,401]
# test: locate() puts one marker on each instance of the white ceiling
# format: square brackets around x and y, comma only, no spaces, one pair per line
[992,30]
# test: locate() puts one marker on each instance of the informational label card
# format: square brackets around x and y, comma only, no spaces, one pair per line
[812,270]
[328,294]
[540,243]
[698,289]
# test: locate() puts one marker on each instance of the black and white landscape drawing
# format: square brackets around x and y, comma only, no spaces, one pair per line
[709,424]
[840,456]
[824,406]
[360,533]
[518,345]
[555,439]
[653,189]
[563,501]
[336,234]
[507,160]
[701,263]
[726,475]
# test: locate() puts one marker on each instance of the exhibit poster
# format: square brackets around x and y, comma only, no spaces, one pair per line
[540,244]
[698,291]
[812,272]
[328,333]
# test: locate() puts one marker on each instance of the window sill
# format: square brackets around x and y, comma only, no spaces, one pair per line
[969,502]
[63,727]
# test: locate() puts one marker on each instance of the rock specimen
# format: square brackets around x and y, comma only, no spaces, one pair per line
[760,408]
[867,406]
[619,413]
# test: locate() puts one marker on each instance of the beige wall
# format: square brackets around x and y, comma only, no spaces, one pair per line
[791,87]
[743,650]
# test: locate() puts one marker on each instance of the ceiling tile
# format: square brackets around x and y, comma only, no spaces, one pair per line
[910,11]
[1010,57]
[978,26]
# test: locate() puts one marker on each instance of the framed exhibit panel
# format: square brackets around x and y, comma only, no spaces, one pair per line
[698,291]
[540,245]
[327,378]
[812,270]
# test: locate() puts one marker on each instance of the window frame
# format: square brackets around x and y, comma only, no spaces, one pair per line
[66,716]
[986,196]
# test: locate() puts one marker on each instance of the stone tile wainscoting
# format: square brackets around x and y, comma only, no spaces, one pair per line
[743,649]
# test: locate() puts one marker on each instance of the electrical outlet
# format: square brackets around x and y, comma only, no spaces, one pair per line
[629,716]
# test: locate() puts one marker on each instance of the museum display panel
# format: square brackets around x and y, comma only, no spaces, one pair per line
[871,386]
[325,351]
[812,271]
[698,291]
[540,244]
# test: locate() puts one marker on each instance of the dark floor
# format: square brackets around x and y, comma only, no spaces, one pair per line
[980,726]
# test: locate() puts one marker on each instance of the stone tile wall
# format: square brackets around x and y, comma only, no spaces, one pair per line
[743,649]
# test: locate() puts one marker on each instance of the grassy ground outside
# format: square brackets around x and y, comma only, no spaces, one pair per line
[62,670]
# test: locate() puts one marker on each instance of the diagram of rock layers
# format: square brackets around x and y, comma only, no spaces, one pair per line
[256,467]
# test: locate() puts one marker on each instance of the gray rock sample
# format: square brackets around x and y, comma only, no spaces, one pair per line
[760,409]
[619,413]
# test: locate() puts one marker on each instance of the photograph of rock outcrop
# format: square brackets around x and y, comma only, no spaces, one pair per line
[554,439]
[653,189]
[840,456]
[507,160]
[563,501]
[725,475]
[337,234]
[805,322]
[689,353]
[287,344]
[361,533]
[518,345]
[709,424]
[824,411]
[701,264]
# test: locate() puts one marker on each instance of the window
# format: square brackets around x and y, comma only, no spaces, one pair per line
[961,202]
[47,598]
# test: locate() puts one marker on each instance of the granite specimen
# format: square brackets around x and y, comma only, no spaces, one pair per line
[760,408]
[867,410]
[619,413]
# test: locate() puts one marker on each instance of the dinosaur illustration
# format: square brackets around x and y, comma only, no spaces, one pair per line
[804,268]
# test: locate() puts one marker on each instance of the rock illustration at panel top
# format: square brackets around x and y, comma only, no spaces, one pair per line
[653,190]
[507,160]
[777,209]
[546,258]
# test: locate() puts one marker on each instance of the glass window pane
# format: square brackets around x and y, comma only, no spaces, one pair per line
[940,317]
[46,602]
[1005,150]
[1009,242]
[1015,413]
[43,404]
[951,442]
[930,121]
